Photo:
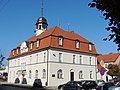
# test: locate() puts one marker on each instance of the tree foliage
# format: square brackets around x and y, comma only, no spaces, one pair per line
[111,12]
[1,59]
[113,70]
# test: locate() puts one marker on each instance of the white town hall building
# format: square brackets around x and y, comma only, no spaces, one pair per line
[53,55]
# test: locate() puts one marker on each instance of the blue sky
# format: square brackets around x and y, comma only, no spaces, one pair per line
[18,18]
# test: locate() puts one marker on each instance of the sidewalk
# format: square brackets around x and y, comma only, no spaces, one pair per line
[28,86]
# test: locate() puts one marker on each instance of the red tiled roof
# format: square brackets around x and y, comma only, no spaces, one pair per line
[108,57]
[49,38]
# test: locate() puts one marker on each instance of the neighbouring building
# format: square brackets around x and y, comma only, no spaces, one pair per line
[111,58]
[4,73]
[53,55]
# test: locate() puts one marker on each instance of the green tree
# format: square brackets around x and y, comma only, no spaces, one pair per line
[113,70]
[111,12]
[1,59]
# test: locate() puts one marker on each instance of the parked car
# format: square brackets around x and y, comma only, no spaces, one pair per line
[79,85]
[117,87]
[100,82]
[106,86]
[71,85]
[115,80]
[88,85]
[37,83]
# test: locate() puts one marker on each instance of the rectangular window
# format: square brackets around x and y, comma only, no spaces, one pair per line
[30,59]
[106,65]
[31,45]
[30,74]
[37,43]
[11,63]
[77,44]
[81,75]
[36,58]
[15,64]
[73,58]
[14,74]
[17,51]
[60,57]
[80,59]
[13,52]
[91,74]
[60,41]
[44,56]
[23,66]
[18,62]
[90,60]
[90,47]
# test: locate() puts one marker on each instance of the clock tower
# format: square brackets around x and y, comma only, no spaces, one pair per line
[41,25]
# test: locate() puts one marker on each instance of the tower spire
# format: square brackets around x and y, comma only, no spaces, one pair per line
[41,24]
[42,9]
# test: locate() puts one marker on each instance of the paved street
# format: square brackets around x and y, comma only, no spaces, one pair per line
[5,87]
[2,87]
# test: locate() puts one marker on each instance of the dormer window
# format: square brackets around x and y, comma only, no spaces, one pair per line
[17,51]
[77,44]
[60,41]
[90,47]
[31,45]
[13,52]
[37,45]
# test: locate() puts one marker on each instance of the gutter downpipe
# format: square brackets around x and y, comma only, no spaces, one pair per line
[47,65]
[96,69]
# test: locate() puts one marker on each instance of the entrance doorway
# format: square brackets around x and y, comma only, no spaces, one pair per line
[71,75]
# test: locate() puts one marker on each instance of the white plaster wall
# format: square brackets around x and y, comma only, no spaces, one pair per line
[68,56]
[118,60]
[54,67]
[33,64]
[67,64]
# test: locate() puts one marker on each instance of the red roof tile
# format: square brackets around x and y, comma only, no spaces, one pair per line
[108,57]
[49,38]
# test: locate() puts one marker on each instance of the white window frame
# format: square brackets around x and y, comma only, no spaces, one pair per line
[31,45]
[13,52]
[91,75]
[30,74]
[59,74]
[90,60]
[38,43]
[36,58]
[44,56]
[81,74]
[74,59]
[17,51]
[80,59]
[77,44]
[30,59]
[36,74]
[18,62]
[60,41]
[44,74]
[90,47]
[60,57]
